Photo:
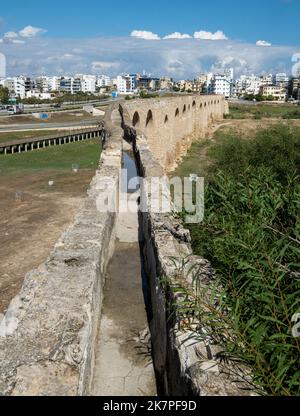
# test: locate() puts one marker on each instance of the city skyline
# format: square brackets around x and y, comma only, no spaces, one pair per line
[178,40]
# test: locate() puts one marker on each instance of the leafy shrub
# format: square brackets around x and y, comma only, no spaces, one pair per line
[251,235]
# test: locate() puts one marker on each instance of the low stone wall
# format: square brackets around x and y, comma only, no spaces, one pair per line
[24,145]
[48,333]
[183,365]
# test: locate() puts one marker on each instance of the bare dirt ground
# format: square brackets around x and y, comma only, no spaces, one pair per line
[33,216]
[250,126]
[55,117]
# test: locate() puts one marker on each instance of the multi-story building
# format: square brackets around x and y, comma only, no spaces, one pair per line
[124,85]
[202,78]
[103,81]
[267,79]
[229,72]
[18,85]
[281,79]
[165,83]
[221,85]
[54,83]
[186,85]
[146,82]
[192,86]
[247,84]
[294,87]
[66,85]
[42,84]
[88,83]
[275,91]
[48,84]
[131,83]
[70,85]
[197,87]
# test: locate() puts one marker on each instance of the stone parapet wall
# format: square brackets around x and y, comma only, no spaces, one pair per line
[183,364]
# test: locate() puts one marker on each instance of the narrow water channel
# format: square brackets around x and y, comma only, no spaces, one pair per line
[123,364]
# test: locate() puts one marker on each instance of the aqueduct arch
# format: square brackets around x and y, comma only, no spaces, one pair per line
[136,119]
[149,119]
[168,125]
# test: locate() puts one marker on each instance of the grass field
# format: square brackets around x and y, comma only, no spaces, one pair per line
[85,154]
[16,135]
[34,214]
[258,111]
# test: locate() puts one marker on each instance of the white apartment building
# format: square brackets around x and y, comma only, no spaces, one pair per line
[54,83]
[267,79]
[124,84]
[88,83]
[18,85]
[48,84]
[39,95]
[248,84]
[281,78]
[42,84]
[221,85]
[104,81]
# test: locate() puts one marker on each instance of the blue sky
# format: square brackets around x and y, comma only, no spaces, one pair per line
[67,36]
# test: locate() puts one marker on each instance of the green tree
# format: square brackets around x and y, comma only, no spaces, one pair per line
[4,95]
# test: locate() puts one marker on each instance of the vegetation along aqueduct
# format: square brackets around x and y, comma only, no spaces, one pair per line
[49,333]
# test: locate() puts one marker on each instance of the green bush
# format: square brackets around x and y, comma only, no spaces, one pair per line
[251,235]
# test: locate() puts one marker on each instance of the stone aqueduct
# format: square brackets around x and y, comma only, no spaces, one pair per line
[171,124]
[47,337]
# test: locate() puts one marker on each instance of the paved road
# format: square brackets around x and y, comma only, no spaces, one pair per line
[62,109]
[42,126]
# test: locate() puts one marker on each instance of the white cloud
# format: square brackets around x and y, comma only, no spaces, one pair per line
[1,40]
[30,31]
[10,35]
[104,65]
[116,55]
[218,35]
[174,66]
[263,43]
[144,34]
[177,35]
[17,41]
